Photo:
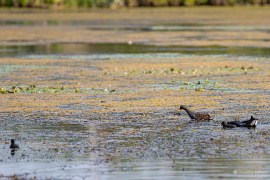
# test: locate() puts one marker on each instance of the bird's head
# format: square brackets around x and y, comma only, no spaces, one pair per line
[252,118]
[182,107]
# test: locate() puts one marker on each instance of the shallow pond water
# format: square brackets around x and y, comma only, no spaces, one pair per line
[127,147]
[105,50]
[140,25]
[69,147]
[164,144]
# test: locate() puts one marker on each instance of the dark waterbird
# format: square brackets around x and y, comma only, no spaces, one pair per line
[13,145]
[199,116]
[251,123]
[227,125]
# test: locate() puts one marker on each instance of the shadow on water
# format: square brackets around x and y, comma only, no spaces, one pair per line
[122,48]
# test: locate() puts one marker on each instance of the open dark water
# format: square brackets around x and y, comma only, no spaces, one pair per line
[122,49]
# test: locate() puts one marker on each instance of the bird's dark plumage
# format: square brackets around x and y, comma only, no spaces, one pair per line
[13,145]
[226,125]
[252,122]
[197,115]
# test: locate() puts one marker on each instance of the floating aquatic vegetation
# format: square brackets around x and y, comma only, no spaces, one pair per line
[197,85]
[241,69]
[200,89]
[3,91]
[30,89]
[45,89]
[200,85]
[186,83]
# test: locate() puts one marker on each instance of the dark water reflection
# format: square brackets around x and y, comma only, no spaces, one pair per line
[109,48]
[125,25]
[12,152]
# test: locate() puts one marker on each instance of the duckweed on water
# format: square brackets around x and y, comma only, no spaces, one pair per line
[197,85]
[32,89]
[200,89]
[200,85]
[241,69]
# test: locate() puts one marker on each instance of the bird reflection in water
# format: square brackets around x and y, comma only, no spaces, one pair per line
[12,152]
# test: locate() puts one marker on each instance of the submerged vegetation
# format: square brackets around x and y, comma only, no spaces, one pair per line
[122,3]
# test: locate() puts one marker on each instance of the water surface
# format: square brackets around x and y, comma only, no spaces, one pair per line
[104,49]
[164,144]
[60,147]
